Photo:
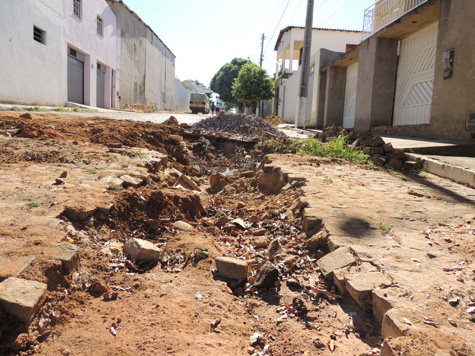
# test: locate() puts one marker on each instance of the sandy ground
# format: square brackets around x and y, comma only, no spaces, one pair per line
[110,306]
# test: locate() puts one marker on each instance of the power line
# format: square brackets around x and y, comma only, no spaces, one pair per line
[276,27]
[329,17]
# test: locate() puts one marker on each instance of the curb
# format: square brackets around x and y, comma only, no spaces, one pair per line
[445,170]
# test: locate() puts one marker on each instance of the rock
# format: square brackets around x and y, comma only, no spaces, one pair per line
[337,259]
[395,322]
[59,181]
[217,182]
[79,213]
[388,148]
[22,298]
[311,223]
[258,232]
[377,150]
[254,339]
[183,226]
[141,251]
[68,254]
[98,288]
[318,240]
[267,277]
[272,180]
[260,242]
[376,141]
[397,164]
[379,161]
[172,121]
[129,181]
[63,174]
[14,265]
[231,267]
[274,249]
[383,300]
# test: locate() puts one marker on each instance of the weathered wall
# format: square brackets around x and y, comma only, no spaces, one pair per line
[31,72]
[147,66]
[81,34]
[335,96]
[453,97]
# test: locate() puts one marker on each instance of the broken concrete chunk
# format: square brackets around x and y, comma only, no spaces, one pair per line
[141,251]
[129,181]
[337,259]
[22,298]
[396,322]
[361,285]
[383,300]
[231,267]
[14,265]
[183,226]
[274,249]
[272,180]
[68,254]
[217,182]
[318,240]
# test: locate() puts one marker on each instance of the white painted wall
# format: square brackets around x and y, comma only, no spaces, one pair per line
[182,97]
[31,72]
[81,34]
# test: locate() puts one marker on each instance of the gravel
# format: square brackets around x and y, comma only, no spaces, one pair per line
[239,124]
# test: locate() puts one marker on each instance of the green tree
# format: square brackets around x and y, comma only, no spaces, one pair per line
[252,85]
[222,82]
[197,82]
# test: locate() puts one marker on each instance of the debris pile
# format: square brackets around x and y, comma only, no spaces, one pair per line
[239,124]
[274,120]
[384,154]
[140,107]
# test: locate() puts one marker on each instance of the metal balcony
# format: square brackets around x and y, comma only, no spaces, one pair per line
[384,12]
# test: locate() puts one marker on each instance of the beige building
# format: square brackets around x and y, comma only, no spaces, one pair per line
[413,74]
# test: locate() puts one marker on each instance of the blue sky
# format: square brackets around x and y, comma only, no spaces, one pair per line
[206,34]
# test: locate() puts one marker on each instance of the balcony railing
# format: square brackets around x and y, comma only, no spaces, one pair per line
[384,12]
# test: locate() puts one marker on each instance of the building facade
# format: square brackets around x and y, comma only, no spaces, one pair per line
[289,47]
[413,74]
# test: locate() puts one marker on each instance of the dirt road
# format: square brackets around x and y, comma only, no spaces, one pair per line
[97,183]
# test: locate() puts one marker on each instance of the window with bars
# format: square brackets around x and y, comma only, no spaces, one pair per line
[77,8]
[99,26]
[39,35]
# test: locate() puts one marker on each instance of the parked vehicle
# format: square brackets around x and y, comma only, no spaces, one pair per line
[199,103]
[233,111]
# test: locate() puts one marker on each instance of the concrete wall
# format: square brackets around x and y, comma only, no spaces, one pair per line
[335,96]
[182,97]
[31,72]
[453,97]
[81,34]
[147,66]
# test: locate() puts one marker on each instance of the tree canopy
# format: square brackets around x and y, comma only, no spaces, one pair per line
[222,82]
[252,85]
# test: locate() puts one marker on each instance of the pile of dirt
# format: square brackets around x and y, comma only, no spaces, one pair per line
[274,120]
[239,124]
[141,107]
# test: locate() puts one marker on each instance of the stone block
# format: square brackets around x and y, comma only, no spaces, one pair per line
[311,223]
[379,161]
[411,165]
[141,251]
[389,348]
[337,259]
[129,181]
[361,285]
[394,324]
[231,267]
[12,266]
[397,164]
[376,141]
[22,298]
[339,278]
[383,300]
[68,254]
[377,150]
[388,147]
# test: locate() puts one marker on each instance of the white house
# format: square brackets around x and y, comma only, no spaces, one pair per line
[289,47]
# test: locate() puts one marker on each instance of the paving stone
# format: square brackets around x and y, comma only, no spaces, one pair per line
[141,251]
[337,259]
[231,267]
[361,285]
[13,266]
[394,324]
[383,300]
[182,225]
[22,298]
[68,254]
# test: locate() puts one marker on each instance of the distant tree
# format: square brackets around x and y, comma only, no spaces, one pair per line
[222,82]
[197,82]
[252,85]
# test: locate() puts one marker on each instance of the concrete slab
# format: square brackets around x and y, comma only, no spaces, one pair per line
[337,259]
[13,266]
[22,298]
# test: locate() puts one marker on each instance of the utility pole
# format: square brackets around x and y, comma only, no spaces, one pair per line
[303,91]
[263,37]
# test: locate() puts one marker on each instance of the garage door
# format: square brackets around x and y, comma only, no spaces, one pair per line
[350,96]
[75,76]
[101,85]
[415,77]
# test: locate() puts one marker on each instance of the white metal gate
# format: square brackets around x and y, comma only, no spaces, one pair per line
[415,77]
[350,96]
[75,76]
